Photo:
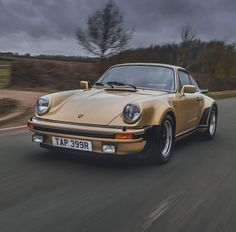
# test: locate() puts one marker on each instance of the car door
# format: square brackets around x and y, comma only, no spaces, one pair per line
[189,105]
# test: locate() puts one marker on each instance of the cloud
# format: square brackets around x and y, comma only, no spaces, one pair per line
[39,26]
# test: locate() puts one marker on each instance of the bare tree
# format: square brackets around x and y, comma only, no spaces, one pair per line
[189,38]
[188,34]
[106,33]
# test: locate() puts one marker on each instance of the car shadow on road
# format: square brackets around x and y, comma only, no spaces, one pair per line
[188,141]
[91,159]
[110,161]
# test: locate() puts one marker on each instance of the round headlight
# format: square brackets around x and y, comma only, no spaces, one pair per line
[42,105]
[131,113]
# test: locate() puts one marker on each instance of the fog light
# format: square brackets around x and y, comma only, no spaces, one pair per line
[37,138]
[108,148]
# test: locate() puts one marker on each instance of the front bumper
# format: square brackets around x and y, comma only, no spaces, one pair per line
[97,134]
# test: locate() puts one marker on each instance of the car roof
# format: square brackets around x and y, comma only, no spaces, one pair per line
[151,64]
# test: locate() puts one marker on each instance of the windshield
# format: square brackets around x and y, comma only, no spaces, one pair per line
[141,76]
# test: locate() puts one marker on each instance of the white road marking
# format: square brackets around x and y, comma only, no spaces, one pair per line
[163,207]
[13,128]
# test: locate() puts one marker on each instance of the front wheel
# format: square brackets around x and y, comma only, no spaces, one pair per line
[162,141]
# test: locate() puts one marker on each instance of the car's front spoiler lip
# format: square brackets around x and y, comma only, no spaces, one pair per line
[43,127]
[81,133]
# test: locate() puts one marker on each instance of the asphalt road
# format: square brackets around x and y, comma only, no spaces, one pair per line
[45,191]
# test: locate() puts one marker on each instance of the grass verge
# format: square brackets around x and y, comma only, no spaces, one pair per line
[5,73]
[222,94]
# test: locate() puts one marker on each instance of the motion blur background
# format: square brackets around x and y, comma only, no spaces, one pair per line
[45,46]
[40,50]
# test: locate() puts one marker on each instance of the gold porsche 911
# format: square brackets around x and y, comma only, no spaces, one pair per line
[133,108]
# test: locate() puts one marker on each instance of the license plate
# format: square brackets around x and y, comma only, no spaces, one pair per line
[72,143]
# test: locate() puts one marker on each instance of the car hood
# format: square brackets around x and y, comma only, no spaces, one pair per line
[97,106]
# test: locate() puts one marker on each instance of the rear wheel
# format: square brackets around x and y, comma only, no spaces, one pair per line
[212,124]
[162,141]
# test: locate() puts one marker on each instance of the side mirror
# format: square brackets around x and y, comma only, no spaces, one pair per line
[203,90]
[85,85]
[188,89]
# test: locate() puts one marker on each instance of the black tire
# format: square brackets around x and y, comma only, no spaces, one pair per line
[161,143]
[209,134]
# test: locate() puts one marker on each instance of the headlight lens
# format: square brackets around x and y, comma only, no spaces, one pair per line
[131,113]
[42,105]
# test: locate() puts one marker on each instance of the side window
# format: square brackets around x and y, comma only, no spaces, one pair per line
[184,79]
[194,83]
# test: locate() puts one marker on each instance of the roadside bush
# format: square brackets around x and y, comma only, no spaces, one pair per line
[56,75]
[216,82]
[64,75]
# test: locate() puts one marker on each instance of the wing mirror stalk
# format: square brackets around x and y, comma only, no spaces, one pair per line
[204,91]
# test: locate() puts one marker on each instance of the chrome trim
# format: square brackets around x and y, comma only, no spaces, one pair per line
[35,119]
[185,133]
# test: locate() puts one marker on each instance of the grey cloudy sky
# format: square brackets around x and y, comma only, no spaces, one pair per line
[48,26]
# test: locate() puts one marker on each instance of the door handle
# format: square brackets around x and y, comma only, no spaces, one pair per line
[198,98]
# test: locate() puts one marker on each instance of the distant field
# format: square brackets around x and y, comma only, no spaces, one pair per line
[5,72]
[50,74]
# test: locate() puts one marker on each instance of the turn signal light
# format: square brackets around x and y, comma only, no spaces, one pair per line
[30,125]
[124,136]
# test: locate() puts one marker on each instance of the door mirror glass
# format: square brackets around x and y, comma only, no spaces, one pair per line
[85,85]
[188,89]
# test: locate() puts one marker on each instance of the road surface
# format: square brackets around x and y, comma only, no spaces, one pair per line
[45,191]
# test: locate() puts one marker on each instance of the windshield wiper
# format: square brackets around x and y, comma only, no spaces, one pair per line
[120,83]
[102,84]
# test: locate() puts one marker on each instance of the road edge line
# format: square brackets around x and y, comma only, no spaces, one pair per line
[12,128]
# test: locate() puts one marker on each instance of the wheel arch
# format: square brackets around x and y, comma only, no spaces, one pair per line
[206,114]
[171,113]
[215,105]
